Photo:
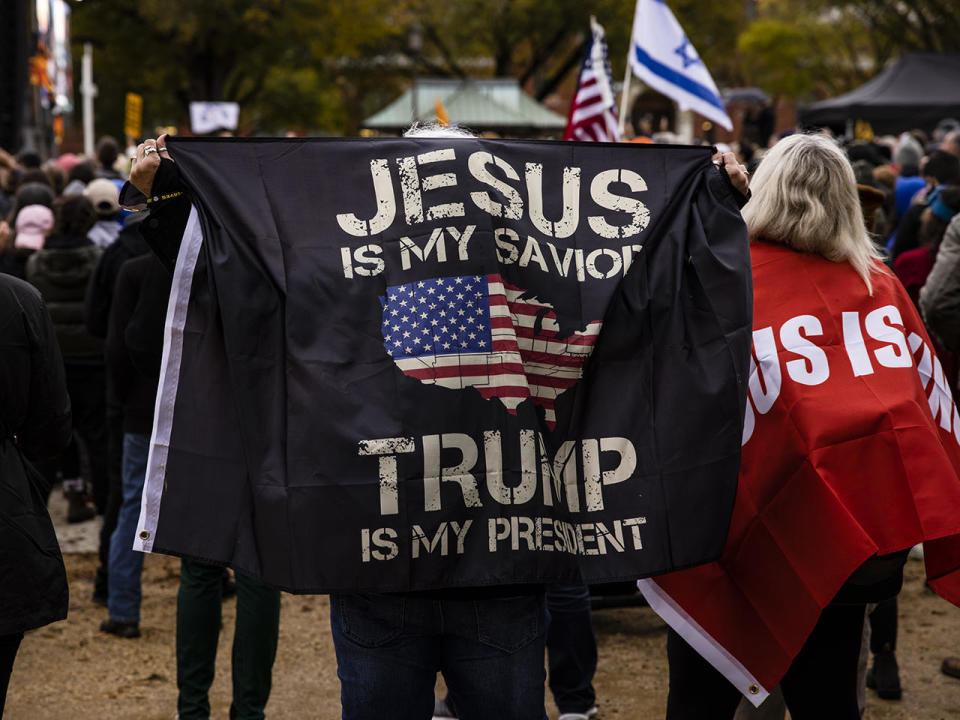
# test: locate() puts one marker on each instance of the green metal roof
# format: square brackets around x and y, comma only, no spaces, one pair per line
[477,104]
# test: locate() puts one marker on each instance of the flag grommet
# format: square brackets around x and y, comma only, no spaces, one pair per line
[145,535]
[753,689]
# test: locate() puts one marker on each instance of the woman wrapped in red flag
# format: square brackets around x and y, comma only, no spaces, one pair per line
[851,452]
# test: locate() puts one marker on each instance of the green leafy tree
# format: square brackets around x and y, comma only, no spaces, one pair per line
[805,56]
[254,52]
[324,66]
[895,27]
[713,28]
[817,48]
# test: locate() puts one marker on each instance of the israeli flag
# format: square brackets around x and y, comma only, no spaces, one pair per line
[661,55]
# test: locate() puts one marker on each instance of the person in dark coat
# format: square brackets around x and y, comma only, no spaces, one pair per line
[107,153]
[34,423]
[96,314]
[61,272]
[134,350]
[134,347]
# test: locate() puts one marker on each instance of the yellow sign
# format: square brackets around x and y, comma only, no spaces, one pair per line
[863,131]
[133,115]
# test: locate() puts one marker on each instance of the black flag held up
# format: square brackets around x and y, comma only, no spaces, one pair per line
[421,363]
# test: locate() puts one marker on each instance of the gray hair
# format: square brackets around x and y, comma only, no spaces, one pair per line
[436,130]
[804,195]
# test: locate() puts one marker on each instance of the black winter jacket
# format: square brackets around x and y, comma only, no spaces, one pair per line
[129,244]
[34,423]
[61,272]
[135,339]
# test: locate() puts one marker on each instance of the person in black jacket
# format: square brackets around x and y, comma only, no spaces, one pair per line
[61,271]
[134,349]
[34,423]
[96,314]
[488,641]
[134,345]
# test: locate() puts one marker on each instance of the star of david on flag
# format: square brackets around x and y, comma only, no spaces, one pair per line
[662,56]
[688,55]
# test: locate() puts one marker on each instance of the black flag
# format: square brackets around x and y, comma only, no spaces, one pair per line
[420,363]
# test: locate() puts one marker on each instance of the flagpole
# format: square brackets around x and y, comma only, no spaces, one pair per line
[624,96]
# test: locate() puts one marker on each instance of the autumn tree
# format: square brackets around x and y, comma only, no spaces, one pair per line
[818,48]
[264,54]
[325,65]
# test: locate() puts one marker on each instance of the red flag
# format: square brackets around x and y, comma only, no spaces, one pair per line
[593,116]
[851,448]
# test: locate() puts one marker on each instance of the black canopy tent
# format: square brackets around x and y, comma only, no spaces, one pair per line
[916,92]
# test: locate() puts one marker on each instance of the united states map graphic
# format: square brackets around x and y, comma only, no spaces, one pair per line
[480,332]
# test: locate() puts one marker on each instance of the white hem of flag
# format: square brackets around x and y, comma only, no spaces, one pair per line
[169,380]
[701,641]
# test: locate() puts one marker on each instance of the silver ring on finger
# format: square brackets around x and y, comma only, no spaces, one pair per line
[149,149]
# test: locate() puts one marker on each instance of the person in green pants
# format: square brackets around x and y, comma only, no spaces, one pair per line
[198,631]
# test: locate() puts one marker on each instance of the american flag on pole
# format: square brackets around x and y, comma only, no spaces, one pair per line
[593,116]
[482,332]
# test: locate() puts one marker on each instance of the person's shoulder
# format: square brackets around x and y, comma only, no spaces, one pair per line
[19,291]
[16,285]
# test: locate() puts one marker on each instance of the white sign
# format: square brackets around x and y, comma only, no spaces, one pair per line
[205,117]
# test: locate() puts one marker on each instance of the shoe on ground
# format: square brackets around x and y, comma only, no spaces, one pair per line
[442,711]
[951,667]
[884,676]
[121,629]
[78,511]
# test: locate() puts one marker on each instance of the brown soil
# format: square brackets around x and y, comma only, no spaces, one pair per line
[71,670]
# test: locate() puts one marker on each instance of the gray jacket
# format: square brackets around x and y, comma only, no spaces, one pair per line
[940,296]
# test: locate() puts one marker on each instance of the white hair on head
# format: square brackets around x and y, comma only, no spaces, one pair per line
[436,130]
[804,195]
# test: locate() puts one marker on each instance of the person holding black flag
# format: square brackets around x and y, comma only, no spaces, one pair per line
[135,344]
[487,641]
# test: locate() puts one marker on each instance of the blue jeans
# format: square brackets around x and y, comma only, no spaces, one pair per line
[571,648]
[391,647]
[126,564]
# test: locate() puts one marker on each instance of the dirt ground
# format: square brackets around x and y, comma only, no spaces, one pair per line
[72,671]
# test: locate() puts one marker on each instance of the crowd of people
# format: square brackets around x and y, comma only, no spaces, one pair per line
[84,317]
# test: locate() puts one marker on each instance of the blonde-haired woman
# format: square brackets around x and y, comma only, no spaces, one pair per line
[843,466]
[805,196]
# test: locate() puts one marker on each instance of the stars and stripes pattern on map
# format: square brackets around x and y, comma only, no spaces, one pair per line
[592,116]
[483,333]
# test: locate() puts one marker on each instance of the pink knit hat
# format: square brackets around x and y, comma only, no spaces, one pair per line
[66,161]
[33,224]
